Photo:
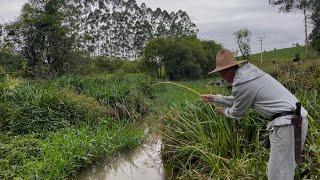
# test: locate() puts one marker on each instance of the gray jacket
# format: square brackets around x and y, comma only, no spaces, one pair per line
[254,88]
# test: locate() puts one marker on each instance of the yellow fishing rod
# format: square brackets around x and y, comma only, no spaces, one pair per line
[180,85]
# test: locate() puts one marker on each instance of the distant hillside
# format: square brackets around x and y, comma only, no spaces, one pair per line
[286,54]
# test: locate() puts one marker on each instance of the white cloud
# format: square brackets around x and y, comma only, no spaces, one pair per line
[10,9]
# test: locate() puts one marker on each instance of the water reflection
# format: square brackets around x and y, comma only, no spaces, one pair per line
[141,163]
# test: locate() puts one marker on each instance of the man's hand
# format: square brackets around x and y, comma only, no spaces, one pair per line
[220,110]
[207,98]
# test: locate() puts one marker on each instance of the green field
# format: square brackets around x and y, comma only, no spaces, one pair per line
[52,129]
[285,54]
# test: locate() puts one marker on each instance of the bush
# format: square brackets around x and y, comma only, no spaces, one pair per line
[296,57]
[12,63]
[31,109]
[315,43]
[132,66]
[181,58]
[107,64]
[126,95]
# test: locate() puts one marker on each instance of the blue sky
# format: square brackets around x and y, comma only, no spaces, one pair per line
[217,20]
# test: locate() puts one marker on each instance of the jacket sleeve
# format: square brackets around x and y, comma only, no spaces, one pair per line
[243,100]
[225,101]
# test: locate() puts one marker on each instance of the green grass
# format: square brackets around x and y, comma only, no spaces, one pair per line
[64,152]
[285,54]
[51,129]
[172,97]
[198,143]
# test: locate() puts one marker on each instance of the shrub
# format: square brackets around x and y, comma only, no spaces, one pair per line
[31,109]
[180,58]
[126,95]
[12,63]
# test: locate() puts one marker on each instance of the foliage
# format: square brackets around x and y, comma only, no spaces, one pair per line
[29,109]
[121,28]
[315,43]
[12,63]
[243,37]
[200,143]
[62,153]
[44,36]
[181,58]
[127,96]
[304,6]
[315,34]
[50,129]
[291,5]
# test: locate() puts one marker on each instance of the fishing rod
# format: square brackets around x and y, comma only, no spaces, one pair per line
[180,85]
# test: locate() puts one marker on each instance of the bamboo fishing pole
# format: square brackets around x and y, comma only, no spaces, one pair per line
[172,83]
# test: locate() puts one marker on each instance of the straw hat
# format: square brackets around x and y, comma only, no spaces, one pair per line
[224,60]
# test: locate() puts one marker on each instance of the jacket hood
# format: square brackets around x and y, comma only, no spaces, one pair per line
[246,73]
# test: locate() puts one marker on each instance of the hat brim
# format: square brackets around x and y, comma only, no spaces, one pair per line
[228,66]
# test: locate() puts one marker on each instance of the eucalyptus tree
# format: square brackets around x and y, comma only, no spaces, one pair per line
[315,34]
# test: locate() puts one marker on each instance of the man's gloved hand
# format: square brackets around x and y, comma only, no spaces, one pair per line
[207,98]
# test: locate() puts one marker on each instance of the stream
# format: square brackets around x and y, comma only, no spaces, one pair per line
[143,162]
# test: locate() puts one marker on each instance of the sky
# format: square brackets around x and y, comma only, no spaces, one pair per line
[219,19]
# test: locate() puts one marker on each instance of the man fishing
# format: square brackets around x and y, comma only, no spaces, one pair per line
[251,87]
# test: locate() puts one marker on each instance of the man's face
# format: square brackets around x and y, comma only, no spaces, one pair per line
[227,75]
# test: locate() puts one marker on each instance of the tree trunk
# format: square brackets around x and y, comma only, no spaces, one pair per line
[306,31]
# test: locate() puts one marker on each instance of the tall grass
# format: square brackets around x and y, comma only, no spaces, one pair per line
[199,143]
[126,95]
[29,109]
[51,129]
[64,152]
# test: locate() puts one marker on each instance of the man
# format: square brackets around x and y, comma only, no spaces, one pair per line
[254,88]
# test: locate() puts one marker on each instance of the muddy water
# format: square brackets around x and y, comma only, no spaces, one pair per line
[143,162]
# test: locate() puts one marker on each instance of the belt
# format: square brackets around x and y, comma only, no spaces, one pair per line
[285,113]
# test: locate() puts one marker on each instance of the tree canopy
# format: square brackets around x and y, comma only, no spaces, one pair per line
[181,58]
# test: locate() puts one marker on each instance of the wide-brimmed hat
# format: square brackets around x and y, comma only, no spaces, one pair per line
[224,60]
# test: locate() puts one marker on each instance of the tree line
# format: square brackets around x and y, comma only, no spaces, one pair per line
[48,33]
[311,13]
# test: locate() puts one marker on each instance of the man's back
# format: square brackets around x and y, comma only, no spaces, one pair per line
[266,95]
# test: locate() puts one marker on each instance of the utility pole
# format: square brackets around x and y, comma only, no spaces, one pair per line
[260,38]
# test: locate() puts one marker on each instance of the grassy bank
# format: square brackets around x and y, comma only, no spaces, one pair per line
[51,129]
[285,54]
